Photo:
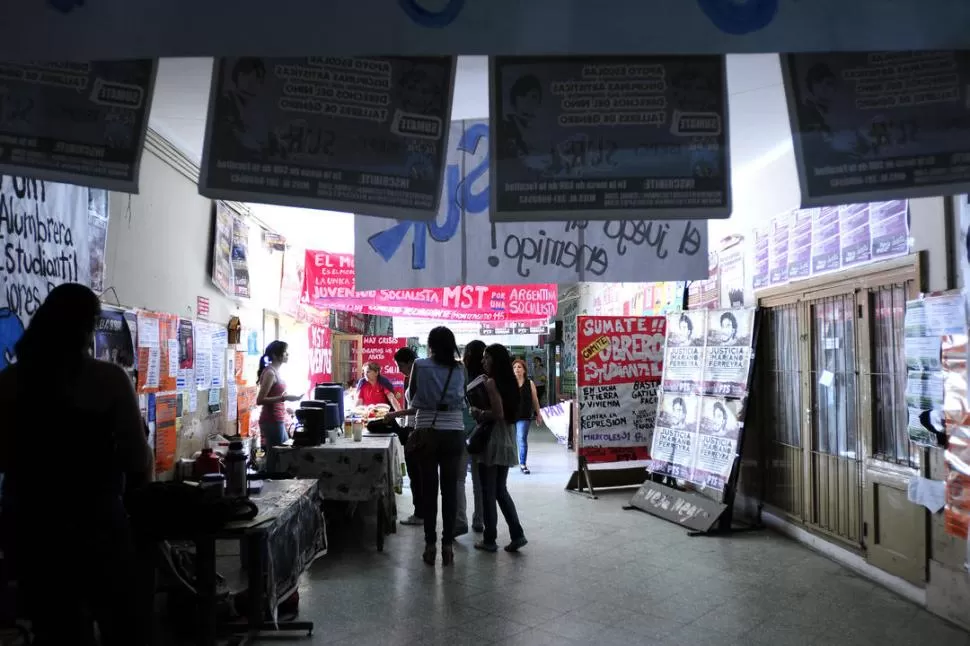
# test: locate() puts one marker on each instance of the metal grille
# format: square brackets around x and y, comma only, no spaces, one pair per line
[889,417]
[781,413]
[836,450]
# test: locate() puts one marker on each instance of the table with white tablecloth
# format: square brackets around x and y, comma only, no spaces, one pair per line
[371,469]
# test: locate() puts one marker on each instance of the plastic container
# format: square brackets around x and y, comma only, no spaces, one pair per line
[236,470]
[207,462]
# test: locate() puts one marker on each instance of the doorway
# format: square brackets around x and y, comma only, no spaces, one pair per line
[347,357]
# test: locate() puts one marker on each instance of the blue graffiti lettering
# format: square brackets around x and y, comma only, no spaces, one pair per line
[433,19]
[386,243]
[739,17]
[11,329]
[65,6]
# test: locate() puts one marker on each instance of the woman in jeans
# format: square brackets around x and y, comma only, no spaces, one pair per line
[272,395]
[528,410]
[436,391]
[499,454]
[476,396]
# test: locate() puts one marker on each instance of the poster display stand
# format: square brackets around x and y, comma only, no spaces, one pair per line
[620,364]
[697,442]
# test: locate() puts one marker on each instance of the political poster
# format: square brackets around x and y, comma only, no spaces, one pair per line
[855,239]
[186,344]
[778,249]
[321,355]
[761,276]
[329,283]
[609,138]
[113,339]
[800,243]
[461,247]
[620,362]
[727,357]
[675,437]
[874,126]
[889,229]
[361,135]
[380,350]
[717,442]
[45,231]
[74,122]
[826,237]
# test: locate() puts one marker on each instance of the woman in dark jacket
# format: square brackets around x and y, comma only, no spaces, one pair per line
[475,395]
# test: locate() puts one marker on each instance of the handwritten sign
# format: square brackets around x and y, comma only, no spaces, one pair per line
[620,366]
[461,246]
[682,507]
[364,135]
[321,355]
[380,350]
[557,419]
[871,126]
[609,138]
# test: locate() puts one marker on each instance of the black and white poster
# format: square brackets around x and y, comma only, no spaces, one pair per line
[113,339]
[675,437]
[361,135]
[874,126]
[609,138]
[77,123]
[717,442]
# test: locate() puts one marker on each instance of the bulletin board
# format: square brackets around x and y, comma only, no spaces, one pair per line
[158,352]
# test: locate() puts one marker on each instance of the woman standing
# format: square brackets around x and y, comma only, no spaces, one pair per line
[272,395]
[436,391]
[54,386]
[528,410]
[499,454]
[475,396]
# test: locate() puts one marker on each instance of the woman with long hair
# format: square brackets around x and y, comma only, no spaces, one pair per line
[528,411]
[272,394]
[499,454]
[436,391]
[74,488]
[477,396]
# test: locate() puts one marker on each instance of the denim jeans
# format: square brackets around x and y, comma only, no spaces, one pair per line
[522,437]
[495,491]
[413,467]
[274,433]
[439,451]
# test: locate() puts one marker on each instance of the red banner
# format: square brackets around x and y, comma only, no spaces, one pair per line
[329,283]
[321,356]
[620,363]
[380,350]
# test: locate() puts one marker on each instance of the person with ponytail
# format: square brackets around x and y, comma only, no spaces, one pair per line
[272,394]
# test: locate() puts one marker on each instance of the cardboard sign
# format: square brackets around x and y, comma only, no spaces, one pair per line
[380,350]
[361,135]
[691,510]
[609,138]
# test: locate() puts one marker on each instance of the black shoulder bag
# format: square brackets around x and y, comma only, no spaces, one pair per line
[419,440]
[478,438]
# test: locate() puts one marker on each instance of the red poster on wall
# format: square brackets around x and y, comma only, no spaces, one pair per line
[620,362]
[321,355]
[380,350]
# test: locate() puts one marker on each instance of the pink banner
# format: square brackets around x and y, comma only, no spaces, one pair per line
[329,284]
[380,350]
[321,356]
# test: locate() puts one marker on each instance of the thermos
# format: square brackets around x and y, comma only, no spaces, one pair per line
[236,462]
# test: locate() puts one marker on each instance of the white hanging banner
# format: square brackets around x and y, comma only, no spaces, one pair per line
[79,123]
[461,246]
[74,29]
[363,135]
[609,138]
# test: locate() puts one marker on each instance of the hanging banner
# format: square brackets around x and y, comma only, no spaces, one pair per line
[380,350]
[78,123]
[871,126]
[45,230]
[329,283]
[291,284]
[604,138]
[362,135]
[321,356]
[620,365]
[222,250]
[461,246]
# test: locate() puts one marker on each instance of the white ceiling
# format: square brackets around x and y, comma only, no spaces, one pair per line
[764,180]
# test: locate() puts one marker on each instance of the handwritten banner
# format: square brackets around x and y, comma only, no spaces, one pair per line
[329,280]
[321,355]
[620,361]
[557,419]
[364,135]
[871,126]
[380,350]
[461,246]
[603,138]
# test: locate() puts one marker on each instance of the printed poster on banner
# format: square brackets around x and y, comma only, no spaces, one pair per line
[778,249]
[329,284]
[45,231]
[684,361]
[608,138]
[717,442]
[380,350]
[731,272]
[889,228]
[870,126]
[800,243]
[360,135]
[620,365]
[321,355]
[855,243]
[78,123]
[461,246]
[675,437]
[727,358]
[826,237]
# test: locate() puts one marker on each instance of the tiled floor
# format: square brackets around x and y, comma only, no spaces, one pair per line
[594,574]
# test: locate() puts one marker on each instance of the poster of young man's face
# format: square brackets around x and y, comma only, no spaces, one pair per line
[686,328]
[719,417]
[678,412]
[730,327]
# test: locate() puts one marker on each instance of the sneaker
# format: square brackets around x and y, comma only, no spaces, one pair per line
[413,521]
[516,544]
[486,547]
[524,469]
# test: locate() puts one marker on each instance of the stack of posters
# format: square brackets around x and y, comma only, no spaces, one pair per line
[705,383]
